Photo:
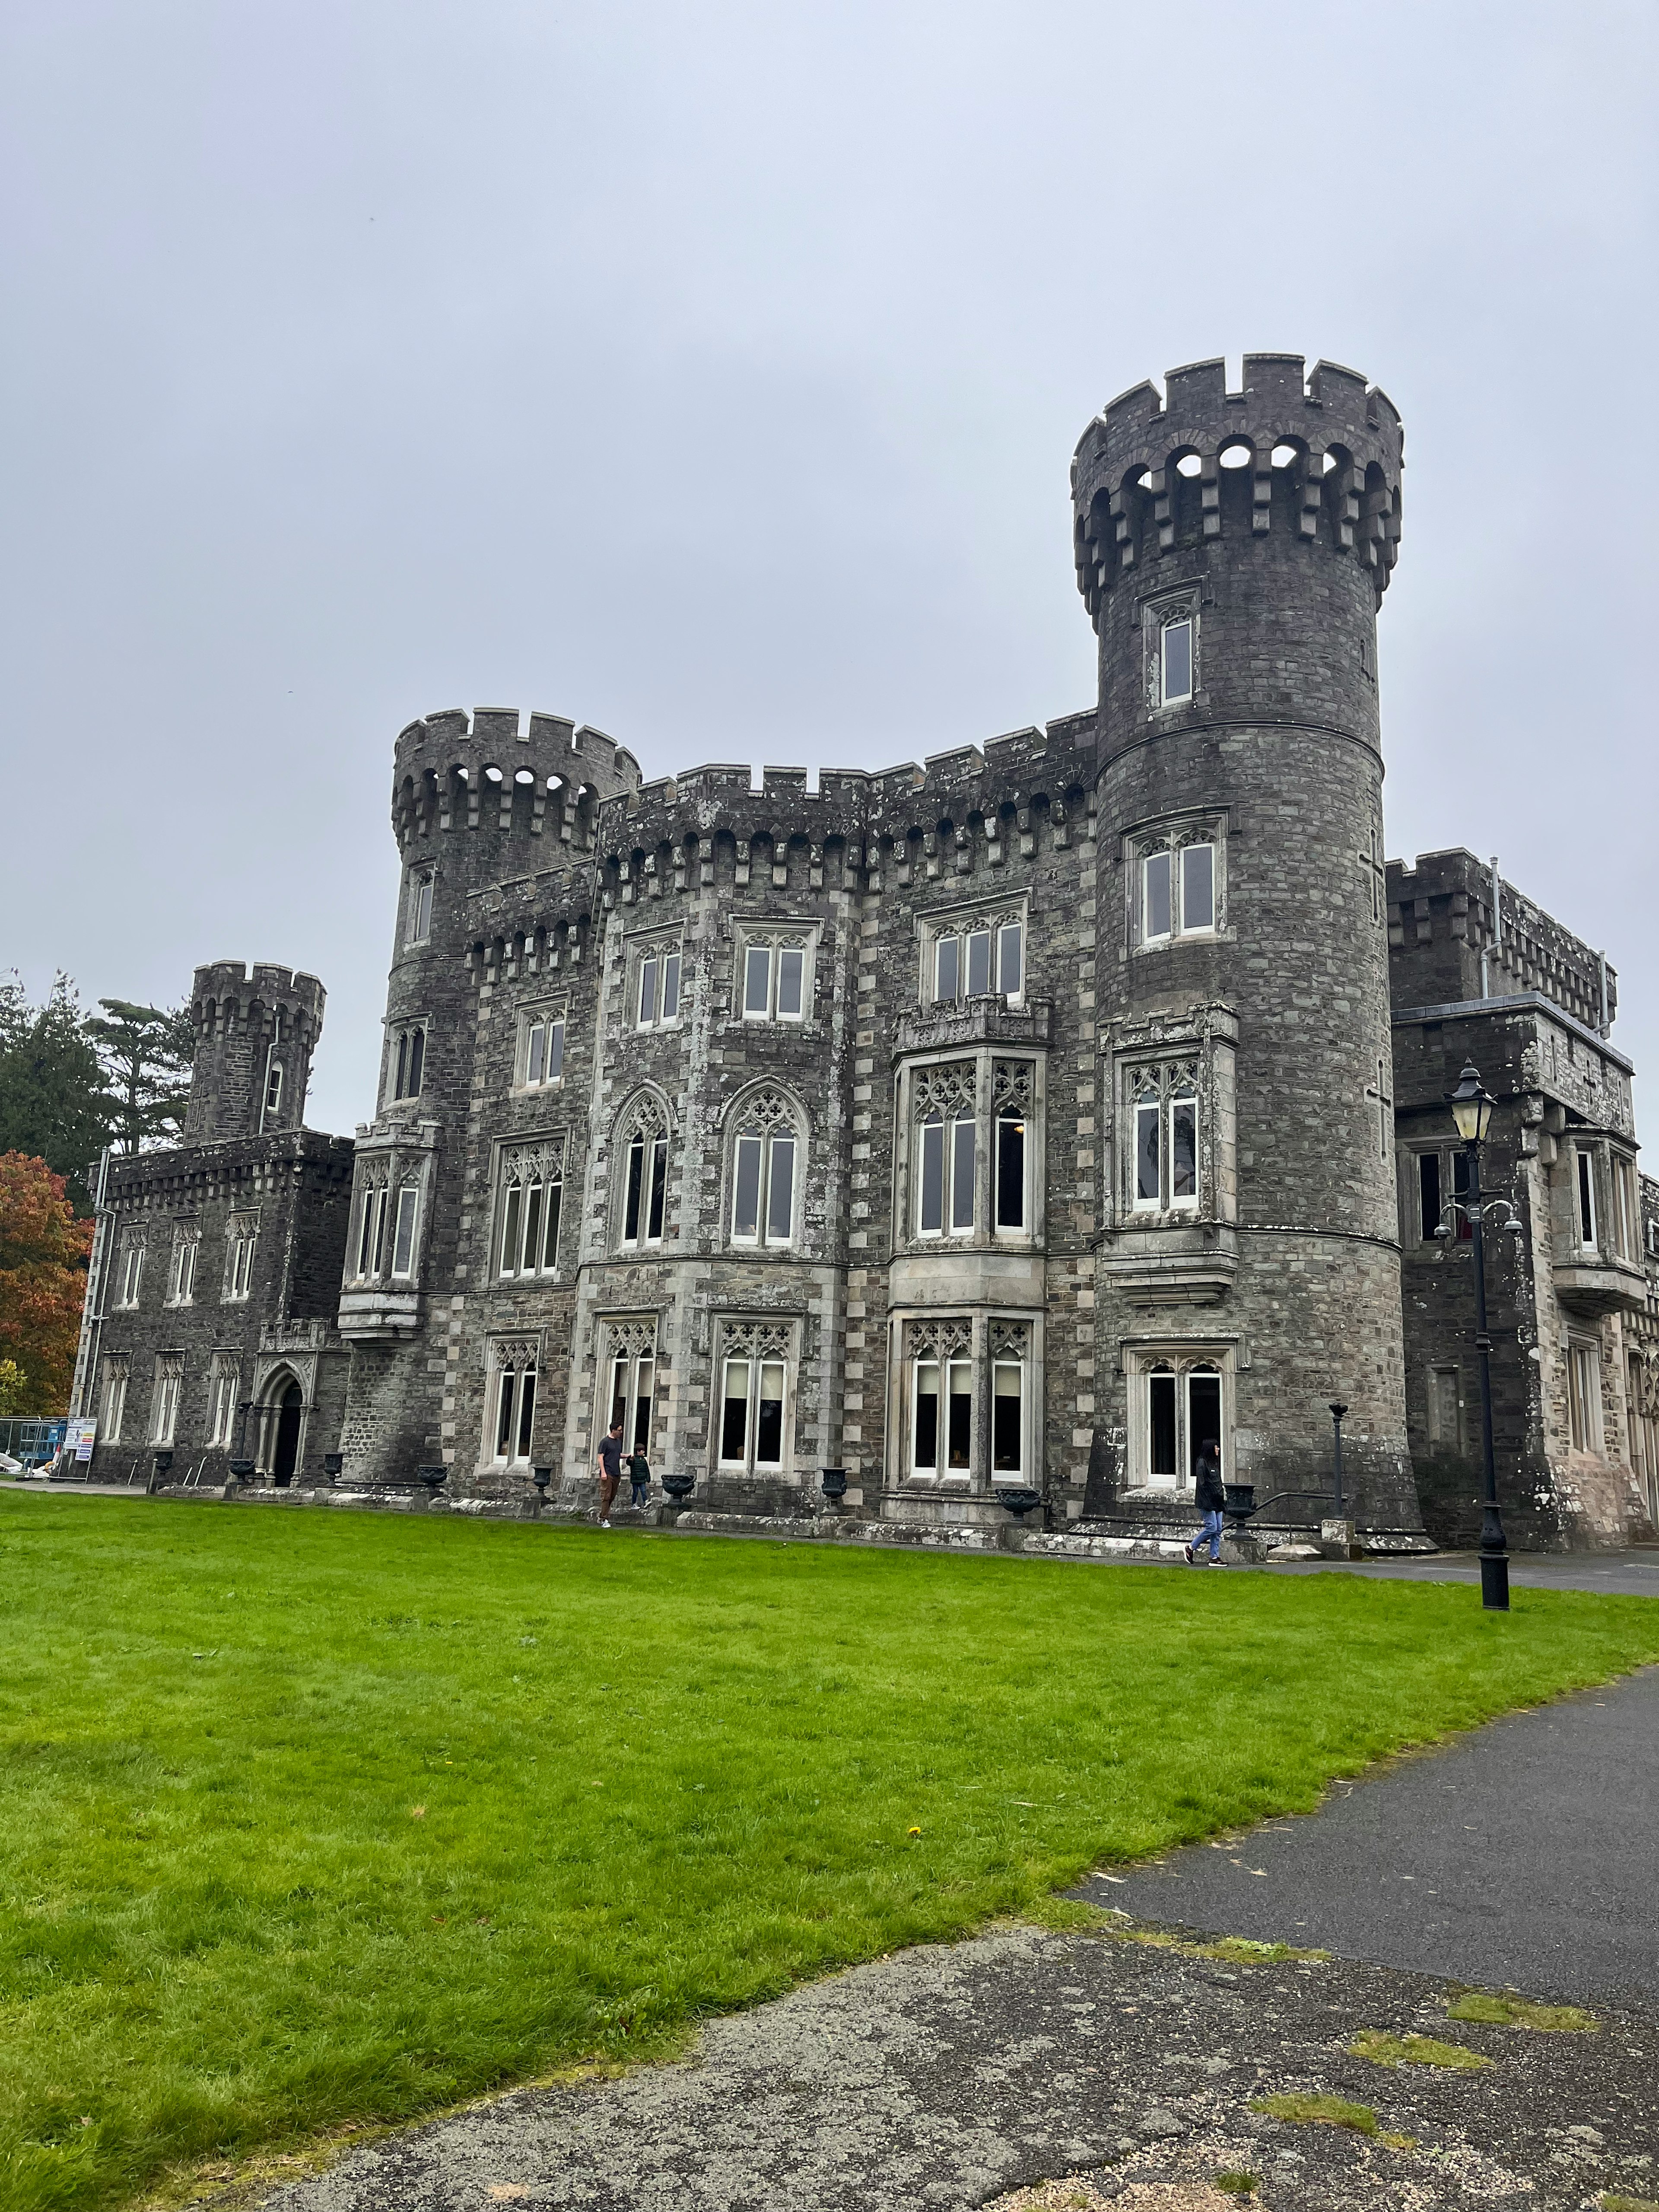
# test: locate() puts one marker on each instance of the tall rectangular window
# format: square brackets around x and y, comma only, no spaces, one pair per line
[532,1197]
[758,982]
[1158,908]
[958,1443]
[403,1246]
[633,1386]
[1010,1169]
[1175,656]
[1007,1417]
[1197,887]
[978,958]
[979,962]
[544,1050]
[930,1207]
[659,1000]
[222,1405]
[1011,959]
[181,1284]
[132,1273]
[420,907]
[1428,1195]
[1586,1199]
[646,1196]
[1584,1396]
[791,973]
[1160,1396]
[964,1164]
[515,1402]
[164,1405]
[114,1402]
[924,1425]
[1149,1171]
[947,970]
[1177,1407]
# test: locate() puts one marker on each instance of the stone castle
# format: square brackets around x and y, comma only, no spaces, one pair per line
[997,1128]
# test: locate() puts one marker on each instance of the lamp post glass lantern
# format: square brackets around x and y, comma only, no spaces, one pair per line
[1472,1108]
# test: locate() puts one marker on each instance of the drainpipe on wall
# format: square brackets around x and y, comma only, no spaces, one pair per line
[1602,964]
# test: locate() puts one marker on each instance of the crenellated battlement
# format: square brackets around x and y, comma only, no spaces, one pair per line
[256,1030]
[982,801]
[1318,456]
[494,770]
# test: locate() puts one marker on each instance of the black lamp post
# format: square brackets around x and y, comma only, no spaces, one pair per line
[1471,1108]
[1337,1412]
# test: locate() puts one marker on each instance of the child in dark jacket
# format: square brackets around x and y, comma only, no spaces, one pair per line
[638,1473]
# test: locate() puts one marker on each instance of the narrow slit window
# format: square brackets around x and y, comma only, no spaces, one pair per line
[1149,1188]
[924,1452]
[1203,1414]
[734,1413]
[964,1157]
[671,987]
[659,1191]
[1007,1417]
[746,1185]
[535,1065]
[274,1087]
[635,1191]
[758,982]
[768,1415]
[1428,1195]
[1161,1439]
[791,973]
[781,1191]
[979,962]
[930,1215]
[403,1248]
[403,1064]
[416,1062]
[419,909]
[1157,908]
[1586,1200]
[1183,1149]
[527,1411]
[1177,643]
[959,1438]
[647,1014]
[1011,1171]
[1197,887]
[1011,959]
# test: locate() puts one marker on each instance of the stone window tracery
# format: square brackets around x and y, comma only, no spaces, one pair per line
[944,1107]
[531,1188]
[164,1402]
[514,1363]
[1171,633]
[775,966]
[643,1152]
[656,983]
[538,1060]
[116,1369]
[756,1363]
[631,1370]
[1180,1398]
[406,1061]
[130,1272]
[1164,1118]
[241,1237]
[765,1161]
[181,1275]
[1177,883]
[975,956]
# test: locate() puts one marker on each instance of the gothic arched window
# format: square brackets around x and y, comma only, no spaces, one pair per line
[644,1161]
[765,1158]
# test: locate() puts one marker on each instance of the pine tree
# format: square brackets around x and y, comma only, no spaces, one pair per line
[146,1053]
[53,1102]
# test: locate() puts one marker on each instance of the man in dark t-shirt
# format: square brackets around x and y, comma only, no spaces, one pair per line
[610,1466]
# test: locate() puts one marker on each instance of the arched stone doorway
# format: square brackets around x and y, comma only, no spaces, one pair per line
[282,1422]
[285,1452]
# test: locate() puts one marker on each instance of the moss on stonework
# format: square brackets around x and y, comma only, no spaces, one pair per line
[1385,2050]
[1504,2011]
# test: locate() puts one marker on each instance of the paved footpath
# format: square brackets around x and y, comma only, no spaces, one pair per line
[966,2075]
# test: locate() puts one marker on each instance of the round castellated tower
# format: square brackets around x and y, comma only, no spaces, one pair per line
[256,1031]
[477,800]
[1233,549]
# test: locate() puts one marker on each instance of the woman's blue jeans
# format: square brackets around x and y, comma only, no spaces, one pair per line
[1210,1533]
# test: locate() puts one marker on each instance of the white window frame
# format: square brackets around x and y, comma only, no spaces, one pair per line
[1626,1206]
[224,1394]
[164,1399]
[1170,849]
[405,1256]
[1172,1084]
[181,1275]
[757,1347]
[522,1249]
[273,1089]
[242,1236]
[657,977]
[117,1374]
[421,882]
[130,1287]
[1009,1111]
[767,1121]
[1181,1366]
[948,956]
[538,1063]
[1585,1236]
[1159,618]
[773,947]
[1175,694]
[630,1373]
[945,1367]
[515,1370]
[645,1134]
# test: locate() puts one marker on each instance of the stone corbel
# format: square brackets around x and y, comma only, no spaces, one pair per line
[742,861]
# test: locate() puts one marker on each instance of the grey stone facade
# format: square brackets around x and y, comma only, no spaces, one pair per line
[1007,1123]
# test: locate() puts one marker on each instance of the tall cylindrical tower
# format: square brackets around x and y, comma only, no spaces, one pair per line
[477,800]
[1233,549]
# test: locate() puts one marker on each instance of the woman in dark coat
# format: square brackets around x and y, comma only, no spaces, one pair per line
[1209,1497]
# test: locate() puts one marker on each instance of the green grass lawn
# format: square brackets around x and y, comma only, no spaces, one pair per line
[312,1818]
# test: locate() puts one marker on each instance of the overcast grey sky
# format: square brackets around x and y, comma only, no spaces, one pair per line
[711,374]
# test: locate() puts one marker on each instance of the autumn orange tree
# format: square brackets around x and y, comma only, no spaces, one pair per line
[43,1276]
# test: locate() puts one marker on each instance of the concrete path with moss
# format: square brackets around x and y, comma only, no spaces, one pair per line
[1122,2065]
